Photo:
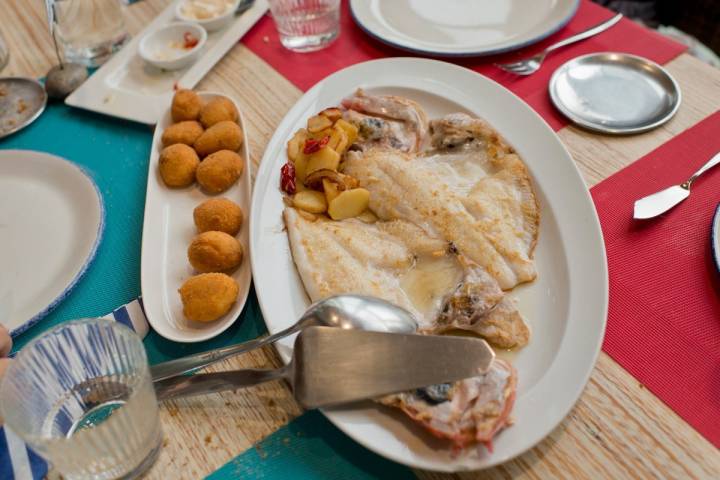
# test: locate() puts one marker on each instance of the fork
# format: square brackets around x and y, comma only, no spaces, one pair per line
[532,64]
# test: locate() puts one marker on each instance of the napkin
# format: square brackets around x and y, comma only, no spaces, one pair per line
[17,460]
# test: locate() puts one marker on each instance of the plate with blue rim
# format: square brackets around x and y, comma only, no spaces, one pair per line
[715,237]
[461,28]
[51,223]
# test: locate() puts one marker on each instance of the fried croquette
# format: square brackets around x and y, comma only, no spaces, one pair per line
[186,105]
[178,164]
[182,132]
[215,252]
[225,135]
[218,214]
[219,171]
[208,296]
[218,110]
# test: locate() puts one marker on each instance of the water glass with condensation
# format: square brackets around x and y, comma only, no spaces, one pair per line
[89,31]
[306,25]
[81,396]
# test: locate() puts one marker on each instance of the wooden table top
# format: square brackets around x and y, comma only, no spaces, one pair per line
[618,429]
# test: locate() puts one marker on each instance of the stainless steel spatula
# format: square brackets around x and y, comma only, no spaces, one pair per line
[331,366]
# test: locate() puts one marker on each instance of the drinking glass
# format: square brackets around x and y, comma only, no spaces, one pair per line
[4,52]
[89,31]
[306,25]
[81,396]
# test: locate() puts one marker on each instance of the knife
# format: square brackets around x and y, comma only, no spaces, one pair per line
[662,201]
[331,366]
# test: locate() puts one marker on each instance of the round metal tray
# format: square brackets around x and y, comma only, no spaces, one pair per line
[615,93]
[22,100]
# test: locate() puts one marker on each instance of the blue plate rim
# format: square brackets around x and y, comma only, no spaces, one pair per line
[482,53]
[91,256]
[715,237]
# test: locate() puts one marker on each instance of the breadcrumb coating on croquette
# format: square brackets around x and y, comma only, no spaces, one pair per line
[219,171]
[182,132]
[177,165]
[215,252]
[186,105]
[218,110]
[219,214]
[208,296]
[225,135]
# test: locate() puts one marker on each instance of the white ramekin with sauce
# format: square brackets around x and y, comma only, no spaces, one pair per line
[210,14]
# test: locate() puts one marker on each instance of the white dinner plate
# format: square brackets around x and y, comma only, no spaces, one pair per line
[462,28]
[168,229]
[51,223]
[127,87]
[566,306]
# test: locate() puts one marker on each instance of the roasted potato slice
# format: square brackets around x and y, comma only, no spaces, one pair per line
[325,158]
[350,129]
[349,203]
[334,114]
[296,144]
[331,189]
[338,140]
[318,123]
[301,163]
[310,201]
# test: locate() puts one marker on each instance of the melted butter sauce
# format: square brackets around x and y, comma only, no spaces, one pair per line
[429,280]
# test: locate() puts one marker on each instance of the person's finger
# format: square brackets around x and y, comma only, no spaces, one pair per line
[5,342]
[4,364]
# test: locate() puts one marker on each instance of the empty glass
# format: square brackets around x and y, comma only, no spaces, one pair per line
[4,52]
[81,396]
[89,31]
[306,25]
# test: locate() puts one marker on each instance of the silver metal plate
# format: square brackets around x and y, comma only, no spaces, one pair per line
[615,93]
[22,100]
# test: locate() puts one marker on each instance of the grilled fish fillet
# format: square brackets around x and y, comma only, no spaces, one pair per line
[481,203]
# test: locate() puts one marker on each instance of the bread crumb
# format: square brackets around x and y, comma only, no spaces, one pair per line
[21,106]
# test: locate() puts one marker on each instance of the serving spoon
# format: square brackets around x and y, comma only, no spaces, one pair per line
[343,311]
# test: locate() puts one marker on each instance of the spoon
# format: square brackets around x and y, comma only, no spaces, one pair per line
[344,311]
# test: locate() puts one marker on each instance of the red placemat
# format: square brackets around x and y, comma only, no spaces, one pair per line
[354,46]
[664,318]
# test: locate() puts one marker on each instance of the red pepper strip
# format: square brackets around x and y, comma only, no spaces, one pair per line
[287,178]
[312,145]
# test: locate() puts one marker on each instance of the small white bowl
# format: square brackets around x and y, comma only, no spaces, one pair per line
[209,24]
[163,47]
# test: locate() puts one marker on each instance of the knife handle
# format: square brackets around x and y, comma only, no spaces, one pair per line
[203,383]
[713,161]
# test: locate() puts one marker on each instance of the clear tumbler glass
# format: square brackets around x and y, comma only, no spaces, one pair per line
[89,31]
[306,25]
[4,52]
[81,396]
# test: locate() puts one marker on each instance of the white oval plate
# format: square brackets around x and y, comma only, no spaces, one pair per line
[462,27]
[168,229]
[51,223]
[566,306]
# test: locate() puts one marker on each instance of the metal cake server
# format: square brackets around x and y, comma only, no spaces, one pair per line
[331,366]
[662,201]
